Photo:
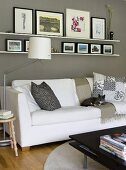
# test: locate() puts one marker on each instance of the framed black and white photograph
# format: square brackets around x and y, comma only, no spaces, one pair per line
[23,20]
[77,23]
[14,45]
[98,28]
[68,47]
[108,49]
[26,45]
[49,23]
[95,48]
[82,48]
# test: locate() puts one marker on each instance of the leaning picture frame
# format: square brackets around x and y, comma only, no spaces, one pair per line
[14,45]
[26,45]
[82,48]
[77,23]
[107,49]
[95,48]
[22,20]
[68,47]
[49,23]
[98,28]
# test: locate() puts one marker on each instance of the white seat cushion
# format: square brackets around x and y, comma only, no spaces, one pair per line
[65,114]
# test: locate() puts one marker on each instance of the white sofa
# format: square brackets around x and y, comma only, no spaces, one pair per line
[34,126]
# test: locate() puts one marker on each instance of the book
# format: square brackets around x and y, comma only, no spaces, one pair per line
[6,116]
[114,140]
[113,149]
[113,153]
[5,112]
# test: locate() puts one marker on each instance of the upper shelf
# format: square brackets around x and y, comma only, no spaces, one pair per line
[60,37]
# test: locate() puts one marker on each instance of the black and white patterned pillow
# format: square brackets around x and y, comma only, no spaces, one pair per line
[112,87]
[44,96]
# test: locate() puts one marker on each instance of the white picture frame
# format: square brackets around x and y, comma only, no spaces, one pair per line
[22,20]
[77,23]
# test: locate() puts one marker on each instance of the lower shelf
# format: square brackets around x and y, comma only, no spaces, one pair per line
[15,52]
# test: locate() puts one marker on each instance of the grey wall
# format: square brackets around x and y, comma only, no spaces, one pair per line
[65,66]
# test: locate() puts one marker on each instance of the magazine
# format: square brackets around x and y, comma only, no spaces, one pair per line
[117,139]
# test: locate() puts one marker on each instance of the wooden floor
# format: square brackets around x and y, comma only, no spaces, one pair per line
[28,160]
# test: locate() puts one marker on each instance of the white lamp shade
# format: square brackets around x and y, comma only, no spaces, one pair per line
[39,48]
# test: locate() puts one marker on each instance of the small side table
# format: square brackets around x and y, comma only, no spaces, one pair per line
[12,133]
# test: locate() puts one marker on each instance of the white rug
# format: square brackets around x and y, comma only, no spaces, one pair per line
[65,157]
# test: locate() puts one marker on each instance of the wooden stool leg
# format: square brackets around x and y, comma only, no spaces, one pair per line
[10,129]
[14,139]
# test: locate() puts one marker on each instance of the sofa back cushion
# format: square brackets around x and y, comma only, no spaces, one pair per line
[64,89]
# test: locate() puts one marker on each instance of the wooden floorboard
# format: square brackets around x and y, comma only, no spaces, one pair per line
[28,160]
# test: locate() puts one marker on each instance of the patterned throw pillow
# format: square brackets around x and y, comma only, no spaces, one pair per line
[44,96]
[112,87]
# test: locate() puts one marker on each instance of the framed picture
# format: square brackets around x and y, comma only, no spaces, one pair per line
[22,20]
[77,23]
[108,49]
[82,48]
[98,28]
[96,48]
[26,45]
[49,23]
[68,47]
[14,45]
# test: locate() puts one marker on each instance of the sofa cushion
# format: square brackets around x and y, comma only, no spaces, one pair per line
[26,90]
[64,89]
[44,96]
[64,115]
[112,87]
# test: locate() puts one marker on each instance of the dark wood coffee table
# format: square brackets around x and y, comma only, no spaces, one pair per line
[88,143]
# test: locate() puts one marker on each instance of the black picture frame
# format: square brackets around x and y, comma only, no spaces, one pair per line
[95,49]
[22,20]
[107,49]
[47,20]
[68,47]
[26,45]
[82,48]
[14,45]
[98,28]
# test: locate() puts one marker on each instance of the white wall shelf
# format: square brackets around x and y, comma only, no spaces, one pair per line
[89,54]
[60,37]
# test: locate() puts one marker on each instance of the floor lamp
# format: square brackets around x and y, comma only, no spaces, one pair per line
[39,49]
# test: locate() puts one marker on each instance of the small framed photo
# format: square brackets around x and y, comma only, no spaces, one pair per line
[108,49]
[98,28]
[14,45]
[82,48]
[49,23]
[95,48]
[77,23]
[68,47]
[26,45]
[22,20]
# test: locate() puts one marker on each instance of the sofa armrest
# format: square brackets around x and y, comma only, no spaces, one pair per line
[17,103]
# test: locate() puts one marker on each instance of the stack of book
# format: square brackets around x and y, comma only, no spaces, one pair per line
[5,114]
[114,144]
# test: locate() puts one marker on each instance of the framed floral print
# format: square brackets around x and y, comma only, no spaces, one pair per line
[77,23]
